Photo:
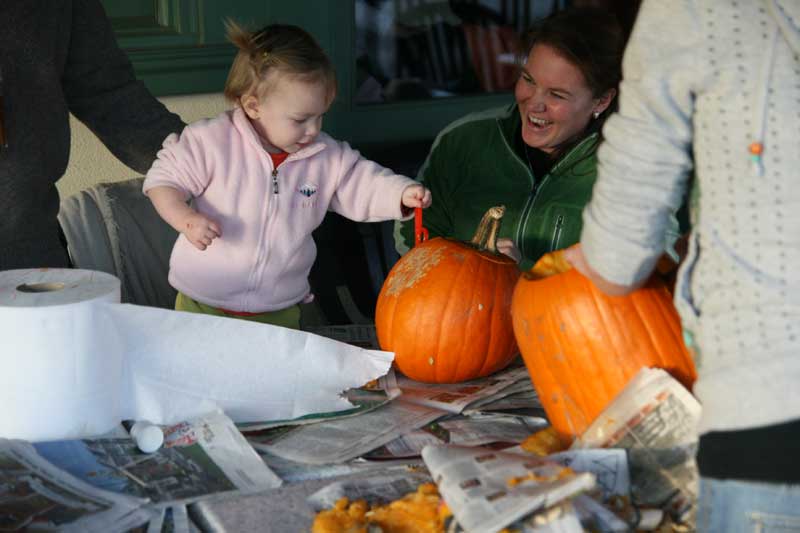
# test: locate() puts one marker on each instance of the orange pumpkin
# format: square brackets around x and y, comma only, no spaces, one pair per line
[445,308]
[582,347]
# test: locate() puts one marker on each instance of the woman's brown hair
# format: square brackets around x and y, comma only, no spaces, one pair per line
[278,47]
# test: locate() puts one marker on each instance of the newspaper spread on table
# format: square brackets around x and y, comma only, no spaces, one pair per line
[295,471]
[488,490]
[523,403]
[455,397]
[655,419]
[343,439]
[467,431]
[347,438]
[37,496]
[199,458]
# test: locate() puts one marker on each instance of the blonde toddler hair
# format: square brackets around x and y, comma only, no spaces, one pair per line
[283,48]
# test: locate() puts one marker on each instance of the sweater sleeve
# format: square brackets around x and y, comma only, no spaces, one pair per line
[437,219]
[103,92]
[366,191]
[182,163]
[646,158]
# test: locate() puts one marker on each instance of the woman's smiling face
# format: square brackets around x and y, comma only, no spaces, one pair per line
[554,101]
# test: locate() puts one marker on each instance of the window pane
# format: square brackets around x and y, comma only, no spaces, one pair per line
[420,49]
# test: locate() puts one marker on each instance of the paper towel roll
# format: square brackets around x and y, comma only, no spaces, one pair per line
[60,358]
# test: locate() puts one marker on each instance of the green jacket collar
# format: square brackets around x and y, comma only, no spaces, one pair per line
[510,125]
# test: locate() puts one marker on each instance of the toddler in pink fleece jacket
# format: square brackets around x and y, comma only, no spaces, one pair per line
[262,177]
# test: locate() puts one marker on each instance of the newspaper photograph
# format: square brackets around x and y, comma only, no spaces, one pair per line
[655,419]
[454,398]
[344,439]
[609,466]
[199,458]
[488,490]
[37,496]
[371,396]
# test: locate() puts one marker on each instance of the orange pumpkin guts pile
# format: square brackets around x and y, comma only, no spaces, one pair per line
[418,512]
[582,347]
[444,309]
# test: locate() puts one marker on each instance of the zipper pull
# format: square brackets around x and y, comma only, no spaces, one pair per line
[275,181]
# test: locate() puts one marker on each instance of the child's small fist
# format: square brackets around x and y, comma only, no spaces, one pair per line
[416,196]
[200,230]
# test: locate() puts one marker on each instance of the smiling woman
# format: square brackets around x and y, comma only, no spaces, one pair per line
[536,156]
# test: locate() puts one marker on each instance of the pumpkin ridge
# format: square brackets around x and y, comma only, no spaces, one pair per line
[417,320]
[676,337]
[496,325]
[613,319]
[452,302]
[593,387]
[643,312]
[390,328]
[489,339]
[422,327]
[571,403]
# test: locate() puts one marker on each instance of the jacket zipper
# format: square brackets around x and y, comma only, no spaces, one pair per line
[261,260]
[526,211]
[523,217]
[557,232]
[529,172]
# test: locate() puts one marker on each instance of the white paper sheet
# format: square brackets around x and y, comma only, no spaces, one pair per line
[73,364]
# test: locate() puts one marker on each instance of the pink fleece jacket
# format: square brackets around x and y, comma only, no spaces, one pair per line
[262,260]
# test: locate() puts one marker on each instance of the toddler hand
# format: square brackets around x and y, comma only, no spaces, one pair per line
[200,230]
[416,196]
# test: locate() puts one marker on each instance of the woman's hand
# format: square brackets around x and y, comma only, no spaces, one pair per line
[200,230]
[574,254]
[507,247]
[416,196]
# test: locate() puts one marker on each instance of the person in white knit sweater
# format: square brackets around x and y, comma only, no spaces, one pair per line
[711,88]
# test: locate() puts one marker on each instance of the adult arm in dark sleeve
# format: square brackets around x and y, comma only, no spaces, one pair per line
[102,91]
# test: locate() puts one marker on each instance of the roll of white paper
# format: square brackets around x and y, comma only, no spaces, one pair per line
[60,358]
[74,362]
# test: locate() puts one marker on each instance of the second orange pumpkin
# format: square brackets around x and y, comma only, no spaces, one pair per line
[582,347]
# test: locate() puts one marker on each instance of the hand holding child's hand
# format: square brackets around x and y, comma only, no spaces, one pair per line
[507,247]
[416,196]
[200,230]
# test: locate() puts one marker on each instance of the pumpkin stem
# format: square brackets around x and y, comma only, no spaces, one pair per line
[485,238]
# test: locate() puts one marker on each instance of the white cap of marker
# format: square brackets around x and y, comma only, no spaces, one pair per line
[147,435]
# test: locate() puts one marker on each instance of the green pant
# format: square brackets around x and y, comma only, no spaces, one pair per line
[288,318]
